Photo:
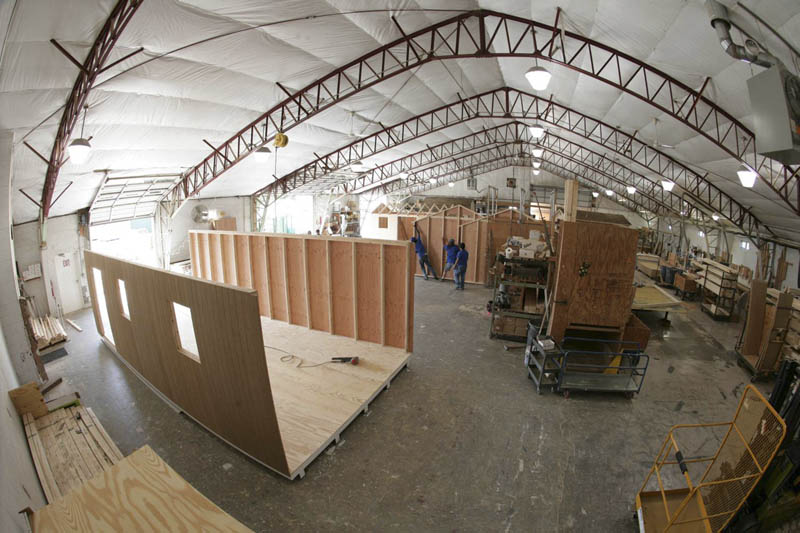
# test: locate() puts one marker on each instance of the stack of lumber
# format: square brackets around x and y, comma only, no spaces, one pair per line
[648,264]
[67,442]
[791,346]
[720,281]
[767,328]
[139,493]
[47,331]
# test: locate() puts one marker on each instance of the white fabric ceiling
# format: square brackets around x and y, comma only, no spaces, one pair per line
[152,119]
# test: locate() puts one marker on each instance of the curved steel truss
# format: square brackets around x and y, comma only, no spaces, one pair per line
[483,33]
[511,103]
[93,66]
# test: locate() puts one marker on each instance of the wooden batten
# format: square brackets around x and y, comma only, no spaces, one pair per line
[358,288]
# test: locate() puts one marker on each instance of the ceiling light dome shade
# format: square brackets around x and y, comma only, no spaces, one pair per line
[538,77]
[537,163]
[595,194]
[715,217]
[747,176]
[536,130]
[262,154]
[451,184]
[536,172]
[537,152]
[667,185]
[79,150]
[432,180]
[631,189]
[609,192]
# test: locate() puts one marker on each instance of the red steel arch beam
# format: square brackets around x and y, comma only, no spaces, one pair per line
[506,134]
[511,103]
[93,66]
[484,33]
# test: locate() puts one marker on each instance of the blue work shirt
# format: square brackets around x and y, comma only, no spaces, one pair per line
[452,252]
[462,258]
[418,246]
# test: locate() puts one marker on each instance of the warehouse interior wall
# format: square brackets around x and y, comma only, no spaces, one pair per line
[234,206]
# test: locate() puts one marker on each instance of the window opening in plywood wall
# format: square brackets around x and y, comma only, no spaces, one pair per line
[100,294]
[383,222]
[184,330]
[123,299]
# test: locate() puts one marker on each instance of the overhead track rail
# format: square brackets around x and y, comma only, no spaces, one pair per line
[511,103]
[480,34]
[93,66]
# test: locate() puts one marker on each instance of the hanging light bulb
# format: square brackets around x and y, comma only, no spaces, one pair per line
[537,152]
[670,227]
[609,192]
[79,148]
[536,130]
[667,185]
[536,171]
[538,77]
[595,194]
[451,184]
[262,154]
[701,234]
[715,217]
[747,176]
[358,166]
[537,163]
[432,181]
[631,189]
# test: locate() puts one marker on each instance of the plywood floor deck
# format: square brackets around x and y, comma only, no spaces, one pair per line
[315,404]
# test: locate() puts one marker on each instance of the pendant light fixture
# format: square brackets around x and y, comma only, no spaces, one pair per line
[631,189]
[538,77]
[747,176]
[262,154]
[536,171]
[79,148]
[609,192]
[595,194]
[667,185]
[537,152]
[536,130]
[537,163]
[715,217]
[451,184]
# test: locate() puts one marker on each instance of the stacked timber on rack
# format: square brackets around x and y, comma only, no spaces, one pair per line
[648,264]
[139,493]
[263,384]
[791,345]
[718,283]
[772,322]
[46,330]
[594,279]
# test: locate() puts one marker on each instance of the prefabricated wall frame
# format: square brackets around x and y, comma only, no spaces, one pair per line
[228,389]
[358,288]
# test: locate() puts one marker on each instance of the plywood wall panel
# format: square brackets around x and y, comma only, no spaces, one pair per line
[228,259]
[195,253]
[434,243]
[277,279]
[296,282]
[318,284]
[229,395]
[258,260]
[243,263]
[215,254]
[368,278]
[324,283]
[343,288]
[204,259]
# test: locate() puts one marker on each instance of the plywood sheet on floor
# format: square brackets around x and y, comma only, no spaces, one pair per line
[315,404]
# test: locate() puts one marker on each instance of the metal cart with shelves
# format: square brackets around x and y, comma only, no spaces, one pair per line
[517,273]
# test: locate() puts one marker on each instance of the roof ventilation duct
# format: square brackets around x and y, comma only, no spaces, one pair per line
[720,21]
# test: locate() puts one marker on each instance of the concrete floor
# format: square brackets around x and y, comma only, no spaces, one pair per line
[460,442]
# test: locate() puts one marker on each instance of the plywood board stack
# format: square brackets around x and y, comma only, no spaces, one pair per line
[648,264]
[718,282]
[358,288]
[594,278]
[138,493]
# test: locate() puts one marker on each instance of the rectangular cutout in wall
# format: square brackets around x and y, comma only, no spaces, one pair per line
[184,331]
[123,299]
[100,294]
[383,222]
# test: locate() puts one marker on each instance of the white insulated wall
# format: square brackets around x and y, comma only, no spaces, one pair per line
[234,206]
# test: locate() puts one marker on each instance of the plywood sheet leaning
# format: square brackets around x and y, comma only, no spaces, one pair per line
[226,386]
[594,277]
[776,323]
[755,318]
[349,287]
[140,493]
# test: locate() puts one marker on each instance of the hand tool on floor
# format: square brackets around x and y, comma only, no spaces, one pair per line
[351,360]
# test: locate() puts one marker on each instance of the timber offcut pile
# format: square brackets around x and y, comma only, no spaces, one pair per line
[47,331]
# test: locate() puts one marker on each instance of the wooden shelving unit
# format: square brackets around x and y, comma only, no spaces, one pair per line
[719,289]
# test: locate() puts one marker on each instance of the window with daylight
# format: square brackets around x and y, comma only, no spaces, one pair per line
[123,299]
[383,222]
[184,330]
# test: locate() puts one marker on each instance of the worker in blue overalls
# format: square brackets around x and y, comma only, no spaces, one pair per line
[460,269]
[422,255]
[450,252]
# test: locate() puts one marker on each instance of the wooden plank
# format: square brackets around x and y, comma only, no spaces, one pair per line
[276,274]
[318,294]
[570,200]
[260,279]
[63,401]
[382,289]
[228,250]
[114,501]
[344,303]
[367,266]
[40,462]
[194,254]
[296,288]
[215,254]
[244,265]
[330,284]
[354,264]
[28,399]
[231,371]
[304,244]
[754,327]
[205,255]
